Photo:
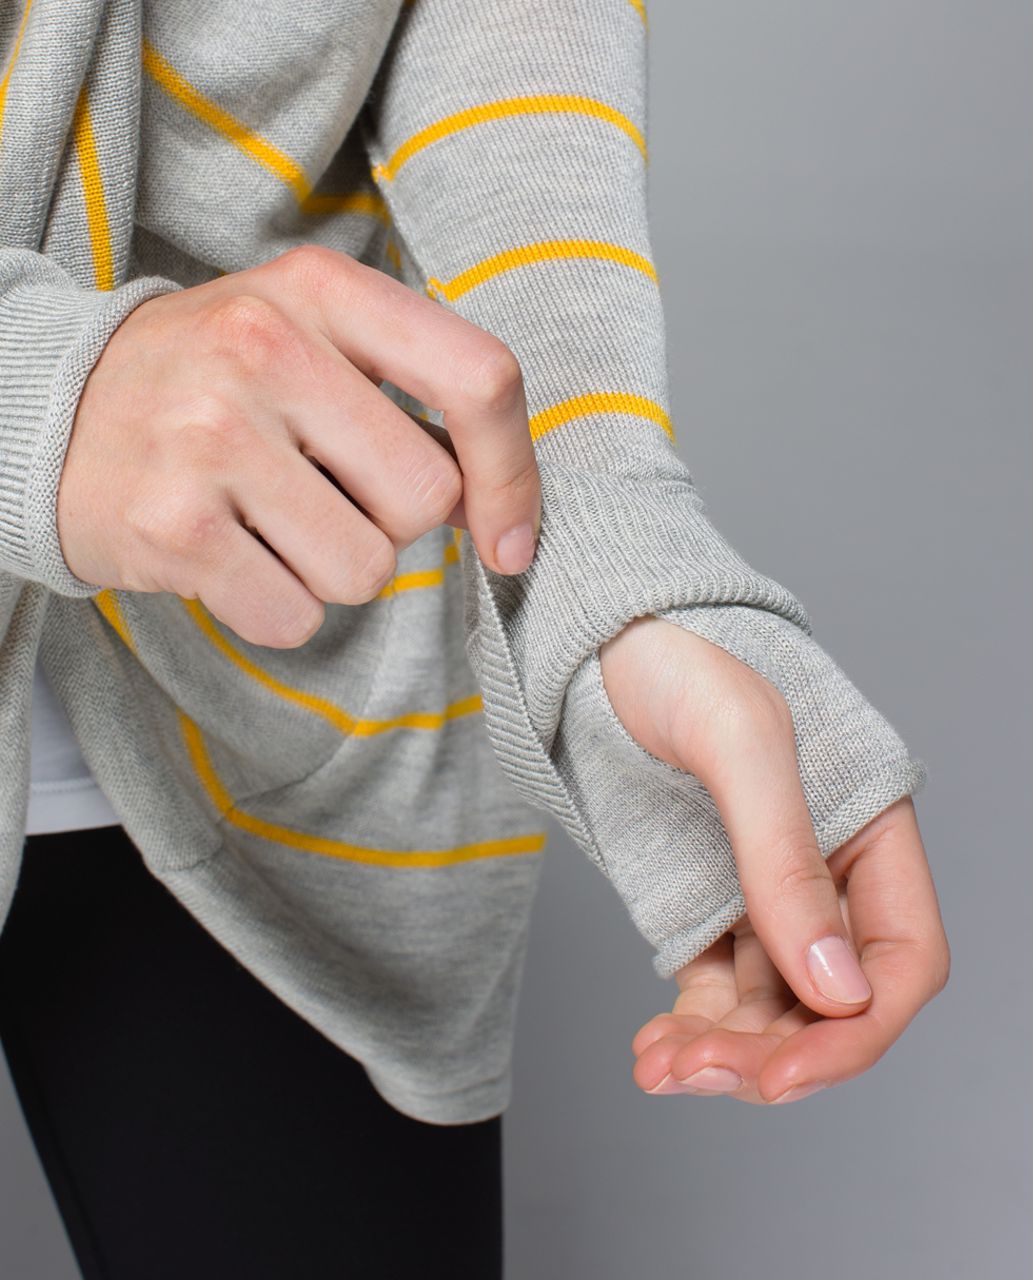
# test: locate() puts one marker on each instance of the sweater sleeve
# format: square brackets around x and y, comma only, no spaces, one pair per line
[509,143]
[52,332]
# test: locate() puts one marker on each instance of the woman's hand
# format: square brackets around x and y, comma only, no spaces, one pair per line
[779,1003]
[225,427]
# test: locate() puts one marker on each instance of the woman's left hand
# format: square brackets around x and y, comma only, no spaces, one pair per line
[777,1007]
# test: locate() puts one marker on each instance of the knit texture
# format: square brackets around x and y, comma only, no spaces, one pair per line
[51,334]
[360,820]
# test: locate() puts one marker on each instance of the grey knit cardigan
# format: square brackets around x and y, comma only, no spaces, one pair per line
[361,820]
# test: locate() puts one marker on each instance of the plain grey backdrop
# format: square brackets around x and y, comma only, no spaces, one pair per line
[842,216]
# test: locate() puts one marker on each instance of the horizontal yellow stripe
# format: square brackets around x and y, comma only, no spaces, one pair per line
[421,577]
[200,758]
[421,719]
[365,202]
[93,193]
[534,104]
[221,121]
[598,402]
[542,251]
[14,58]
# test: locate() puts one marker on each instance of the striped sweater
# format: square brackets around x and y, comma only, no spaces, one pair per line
[361,820]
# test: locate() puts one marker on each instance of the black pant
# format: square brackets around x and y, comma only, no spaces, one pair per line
[190,1124]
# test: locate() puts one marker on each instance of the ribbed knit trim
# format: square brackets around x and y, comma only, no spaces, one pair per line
[50,339]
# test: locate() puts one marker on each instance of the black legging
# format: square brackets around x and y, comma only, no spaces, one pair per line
[190,1124]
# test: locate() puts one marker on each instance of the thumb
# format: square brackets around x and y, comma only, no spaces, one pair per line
[750,769]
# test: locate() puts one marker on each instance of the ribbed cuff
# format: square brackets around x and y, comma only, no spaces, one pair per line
[656,829]
[50,338]
[612,548]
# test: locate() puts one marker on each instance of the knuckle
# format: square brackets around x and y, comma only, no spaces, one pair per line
[212,429]
[370,577]
[435,489]
[180,528]
[800,879]
[494,377]
[307,265]
[244,325]
[296,625]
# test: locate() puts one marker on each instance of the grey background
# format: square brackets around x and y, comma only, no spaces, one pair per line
[842,213]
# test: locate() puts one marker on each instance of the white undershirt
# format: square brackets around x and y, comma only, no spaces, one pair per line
[63,795]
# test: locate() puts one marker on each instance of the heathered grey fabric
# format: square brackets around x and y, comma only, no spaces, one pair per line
[360,820]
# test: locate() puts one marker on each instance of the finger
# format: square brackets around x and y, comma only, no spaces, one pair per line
[706,992]
[723,1064]
[457,516]
[792,1021]
[750,768]
[389,331]
[320,535]
[403,479]
[899,933]
[763,994]
[439,434]
[244,585]
[723,1061]
[708,995]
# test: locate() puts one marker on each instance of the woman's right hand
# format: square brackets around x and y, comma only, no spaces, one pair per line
[200,424]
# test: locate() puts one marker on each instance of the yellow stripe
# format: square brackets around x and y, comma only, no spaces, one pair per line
[533,842]
[640,9]
[421,577]
[599,402]
[367,202]
[543,251]
[421,719]
[107,602]
[10,66]
[337,716]
[320,706]
[260,149]
[534,104]
[392,255]
[93,193]
[247,140]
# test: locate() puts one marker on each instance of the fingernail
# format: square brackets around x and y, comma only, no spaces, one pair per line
[515,549]
[835,971]
[715,1080]
[667,1085]
[800,1091]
